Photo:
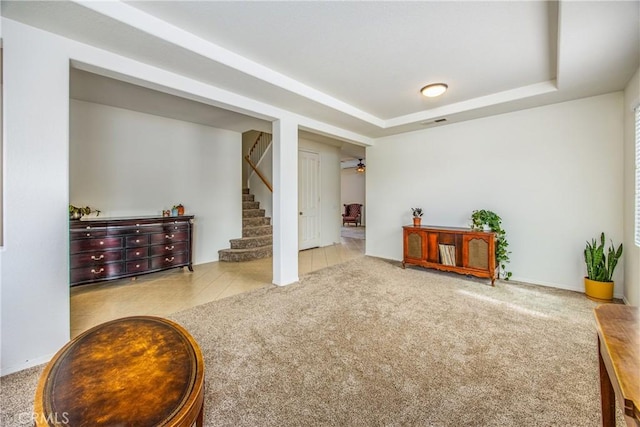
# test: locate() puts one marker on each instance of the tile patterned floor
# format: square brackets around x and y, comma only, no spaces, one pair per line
[167,292]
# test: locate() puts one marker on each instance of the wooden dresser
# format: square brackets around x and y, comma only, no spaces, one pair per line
[460,250]
[112,248]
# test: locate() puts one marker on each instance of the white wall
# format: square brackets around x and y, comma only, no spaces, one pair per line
[554,175]
[35,261]
[127,163]
[352,189]
[631,251]
[330,206]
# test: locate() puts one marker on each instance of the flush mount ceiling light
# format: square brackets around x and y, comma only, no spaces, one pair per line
[360,167]
[434,89]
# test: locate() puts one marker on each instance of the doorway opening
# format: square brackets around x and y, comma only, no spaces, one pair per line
[353,196]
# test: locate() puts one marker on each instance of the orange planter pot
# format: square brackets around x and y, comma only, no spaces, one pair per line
[598,291]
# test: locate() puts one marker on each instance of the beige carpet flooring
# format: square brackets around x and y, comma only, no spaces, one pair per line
[366,343]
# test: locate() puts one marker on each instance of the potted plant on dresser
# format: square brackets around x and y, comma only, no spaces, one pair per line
[78,212]
[598,284]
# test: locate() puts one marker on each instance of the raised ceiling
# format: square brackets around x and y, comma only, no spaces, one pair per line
[376,56]
[360,65]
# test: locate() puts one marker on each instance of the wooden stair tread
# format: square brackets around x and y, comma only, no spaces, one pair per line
[243,250]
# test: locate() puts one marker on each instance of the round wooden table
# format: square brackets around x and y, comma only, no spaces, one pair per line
[134,371]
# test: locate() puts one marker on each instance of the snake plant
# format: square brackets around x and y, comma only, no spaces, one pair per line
[600,265]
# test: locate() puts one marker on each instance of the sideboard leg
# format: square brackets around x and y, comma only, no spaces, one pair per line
[190,267]
[403,264]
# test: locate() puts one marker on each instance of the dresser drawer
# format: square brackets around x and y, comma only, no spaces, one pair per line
[168,237]
[137,253]
[135,229]
[97,272]
[94,258]
[88,233]
[169,248]
[84,245]
[168,261]
[175,226]
[138,266]
[136,241]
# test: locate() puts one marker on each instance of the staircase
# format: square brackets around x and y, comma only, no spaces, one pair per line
[257,234]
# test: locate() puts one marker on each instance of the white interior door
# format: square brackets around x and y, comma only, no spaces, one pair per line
[308,199]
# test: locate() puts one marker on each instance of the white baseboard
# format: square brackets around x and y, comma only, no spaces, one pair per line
[548,284]
[28,364]
[560,286]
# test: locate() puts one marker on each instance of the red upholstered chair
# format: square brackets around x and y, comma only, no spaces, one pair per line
[352,213]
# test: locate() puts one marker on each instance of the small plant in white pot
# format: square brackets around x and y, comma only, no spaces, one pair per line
[599,284]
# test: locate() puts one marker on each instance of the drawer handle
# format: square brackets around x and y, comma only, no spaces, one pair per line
[97,272]
[169,259]
[101,242]
[88,234]
[137,253]
[95,258]
[137,265]
[137,231]
[137,240]
[168,237]
[88,227]
[169,248]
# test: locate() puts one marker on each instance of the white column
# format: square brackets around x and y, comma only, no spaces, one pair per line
[35,257]
[285,201]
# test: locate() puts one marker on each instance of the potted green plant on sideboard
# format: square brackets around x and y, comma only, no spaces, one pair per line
[598,284]
[417,216]
[482,218]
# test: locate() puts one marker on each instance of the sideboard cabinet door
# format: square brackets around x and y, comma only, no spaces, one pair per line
[415,245]
[476,252]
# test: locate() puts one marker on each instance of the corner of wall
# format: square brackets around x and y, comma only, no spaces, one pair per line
[632,252]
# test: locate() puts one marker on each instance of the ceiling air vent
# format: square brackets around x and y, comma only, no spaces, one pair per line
[433,122]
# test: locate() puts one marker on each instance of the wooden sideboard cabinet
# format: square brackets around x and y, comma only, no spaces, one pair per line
[112,248]
[460,250]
